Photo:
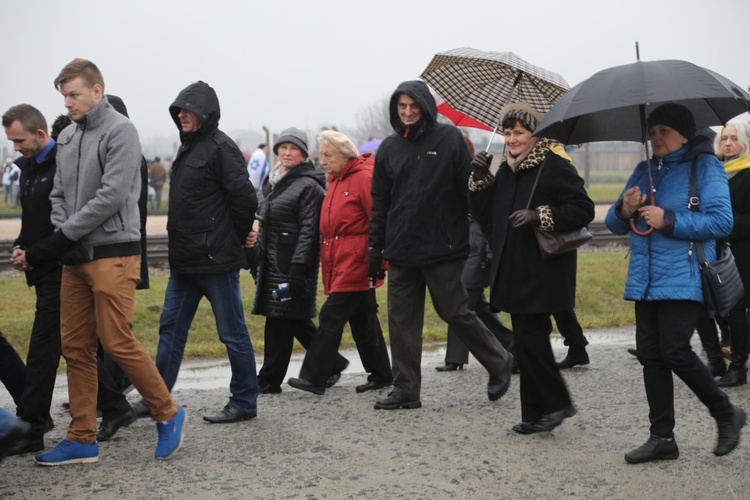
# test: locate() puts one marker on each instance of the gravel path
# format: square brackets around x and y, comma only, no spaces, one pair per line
[458,444]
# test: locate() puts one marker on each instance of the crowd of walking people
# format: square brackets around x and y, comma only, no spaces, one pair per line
[425,211]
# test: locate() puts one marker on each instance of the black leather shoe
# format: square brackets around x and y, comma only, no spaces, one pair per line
[577,356]
[717,366]
[371,385]
[14,436]
[729,431]
[553,420]
[450,367]
[634,352]
[108,428]
[733,378]
[270,389]
[499,384]
[141,409]
[524,428]
[655,448]
[336,376]
[394,402]
[27,445]
[228,415]
[304,385]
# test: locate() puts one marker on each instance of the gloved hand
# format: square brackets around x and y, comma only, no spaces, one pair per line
[297,275]
[481,165]
[375,269]
[522,217]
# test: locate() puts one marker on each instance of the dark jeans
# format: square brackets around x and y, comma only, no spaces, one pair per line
[455,351]
[43,359]
[543,389]
[360,310]
[279,335]
[570,329]
[662,335]
[406,299]
[12,370]
[184,293]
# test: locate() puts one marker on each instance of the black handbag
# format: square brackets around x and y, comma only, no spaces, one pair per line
[720,279]
[554,243]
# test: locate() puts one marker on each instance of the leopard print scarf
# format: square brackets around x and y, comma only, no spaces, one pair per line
[535,156]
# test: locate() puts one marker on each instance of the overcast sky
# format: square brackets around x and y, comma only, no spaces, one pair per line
[317,63]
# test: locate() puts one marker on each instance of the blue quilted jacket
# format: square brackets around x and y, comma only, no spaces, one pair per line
[664,265]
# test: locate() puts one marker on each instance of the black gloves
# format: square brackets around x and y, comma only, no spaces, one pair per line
[481,165]
[375,269]
[522,217]
[297,275]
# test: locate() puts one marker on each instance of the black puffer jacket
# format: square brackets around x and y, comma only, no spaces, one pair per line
[420,188]
[289,235]
[36,227]
[212,203]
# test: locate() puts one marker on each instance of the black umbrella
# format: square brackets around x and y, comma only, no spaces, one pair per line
[613,104]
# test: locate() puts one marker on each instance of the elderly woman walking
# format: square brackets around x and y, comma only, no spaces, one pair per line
[664,279]
[344,229]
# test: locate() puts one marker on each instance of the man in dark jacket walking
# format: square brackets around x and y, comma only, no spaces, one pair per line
[211,211]
[420,225]
[26,127]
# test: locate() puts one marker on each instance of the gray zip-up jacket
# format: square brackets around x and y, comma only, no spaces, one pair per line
[97,184]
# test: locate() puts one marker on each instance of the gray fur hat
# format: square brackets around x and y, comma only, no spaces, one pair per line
[293,135]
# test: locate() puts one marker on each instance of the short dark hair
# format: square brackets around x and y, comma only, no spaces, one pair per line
[83,68]
[59,124]
[261,145]
[30,118]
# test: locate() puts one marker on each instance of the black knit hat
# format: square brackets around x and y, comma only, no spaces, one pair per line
[675,116]
[293,135]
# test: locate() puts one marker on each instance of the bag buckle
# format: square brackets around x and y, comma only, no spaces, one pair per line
[694,201]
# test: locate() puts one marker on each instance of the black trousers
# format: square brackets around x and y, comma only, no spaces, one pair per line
[543,389]
[109,397]
[570,328]
[709,336]
[12,370]
[360,310]
[279,335]
[43,358]
[455,351]
[662,333]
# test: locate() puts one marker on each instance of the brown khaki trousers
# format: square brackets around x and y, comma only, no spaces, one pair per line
[97,299]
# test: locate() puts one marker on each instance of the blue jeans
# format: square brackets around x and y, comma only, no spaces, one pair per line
[181,300]
[6,420]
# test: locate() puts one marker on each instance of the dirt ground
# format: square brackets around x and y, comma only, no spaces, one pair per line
[458,444]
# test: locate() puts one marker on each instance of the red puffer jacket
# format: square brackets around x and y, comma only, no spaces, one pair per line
[345,226]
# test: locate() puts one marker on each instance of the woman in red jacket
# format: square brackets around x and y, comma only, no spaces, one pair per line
[344,229]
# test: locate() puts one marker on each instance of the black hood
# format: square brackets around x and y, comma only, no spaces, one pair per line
[201,99]
[118,104]
[420,92]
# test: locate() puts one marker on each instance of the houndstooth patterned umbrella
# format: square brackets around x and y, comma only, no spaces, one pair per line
[480,83]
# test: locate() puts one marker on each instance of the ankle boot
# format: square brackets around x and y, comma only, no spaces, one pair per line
[735,376]
[729,431]
[577,355]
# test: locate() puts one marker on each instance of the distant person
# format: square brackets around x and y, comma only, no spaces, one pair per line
[95,211]
[344,227]
[211,213]
[257,166]
[15,184]
[158,176]
[420,225]
[6,185]
[665,282]
[289,247]
[511,206]
[33,254]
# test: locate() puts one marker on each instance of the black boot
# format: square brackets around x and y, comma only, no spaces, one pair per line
[735,376]
[577,355]
[655,448]
[729,431]
[717,366]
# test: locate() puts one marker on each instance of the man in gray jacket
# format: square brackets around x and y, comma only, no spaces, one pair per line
[97,221]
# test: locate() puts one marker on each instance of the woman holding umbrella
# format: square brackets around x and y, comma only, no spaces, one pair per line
[664,279]
[733,148]
[521,283]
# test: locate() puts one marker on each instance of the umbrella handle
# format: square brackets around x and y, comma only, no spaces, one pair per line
[634,229]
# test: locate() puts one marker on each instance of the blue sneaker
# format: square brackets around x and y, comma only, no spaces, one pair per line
[69,452]
[171,434]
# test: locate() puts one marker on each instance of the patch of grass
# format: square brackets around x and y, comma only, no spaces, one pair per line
[601,278]
[605,192]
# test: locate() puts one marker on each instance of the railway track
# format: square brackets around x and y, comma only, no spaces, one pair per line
[158,250]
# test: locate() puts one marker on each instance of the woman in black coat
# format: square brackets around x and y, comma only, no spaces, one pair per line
[289,246]
[520,282]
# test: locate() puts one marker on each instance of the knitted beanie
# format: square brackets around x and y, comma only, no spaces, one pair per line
[293,135]
[675,116]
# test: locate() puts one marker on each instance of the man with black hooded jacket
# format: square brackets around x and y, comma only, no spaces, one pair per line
[211,211]
[420,226]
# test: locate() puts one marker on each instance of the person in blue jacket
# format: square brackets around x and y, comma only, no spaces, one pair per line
[664,278]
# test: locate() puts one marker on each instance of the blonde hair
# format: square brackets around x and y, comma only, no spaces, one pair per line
[340,143]
[84,68]
[743,137]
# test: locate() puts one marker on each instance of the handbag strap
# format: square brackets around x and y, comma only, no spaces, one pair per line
[693,204]
[536,180]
